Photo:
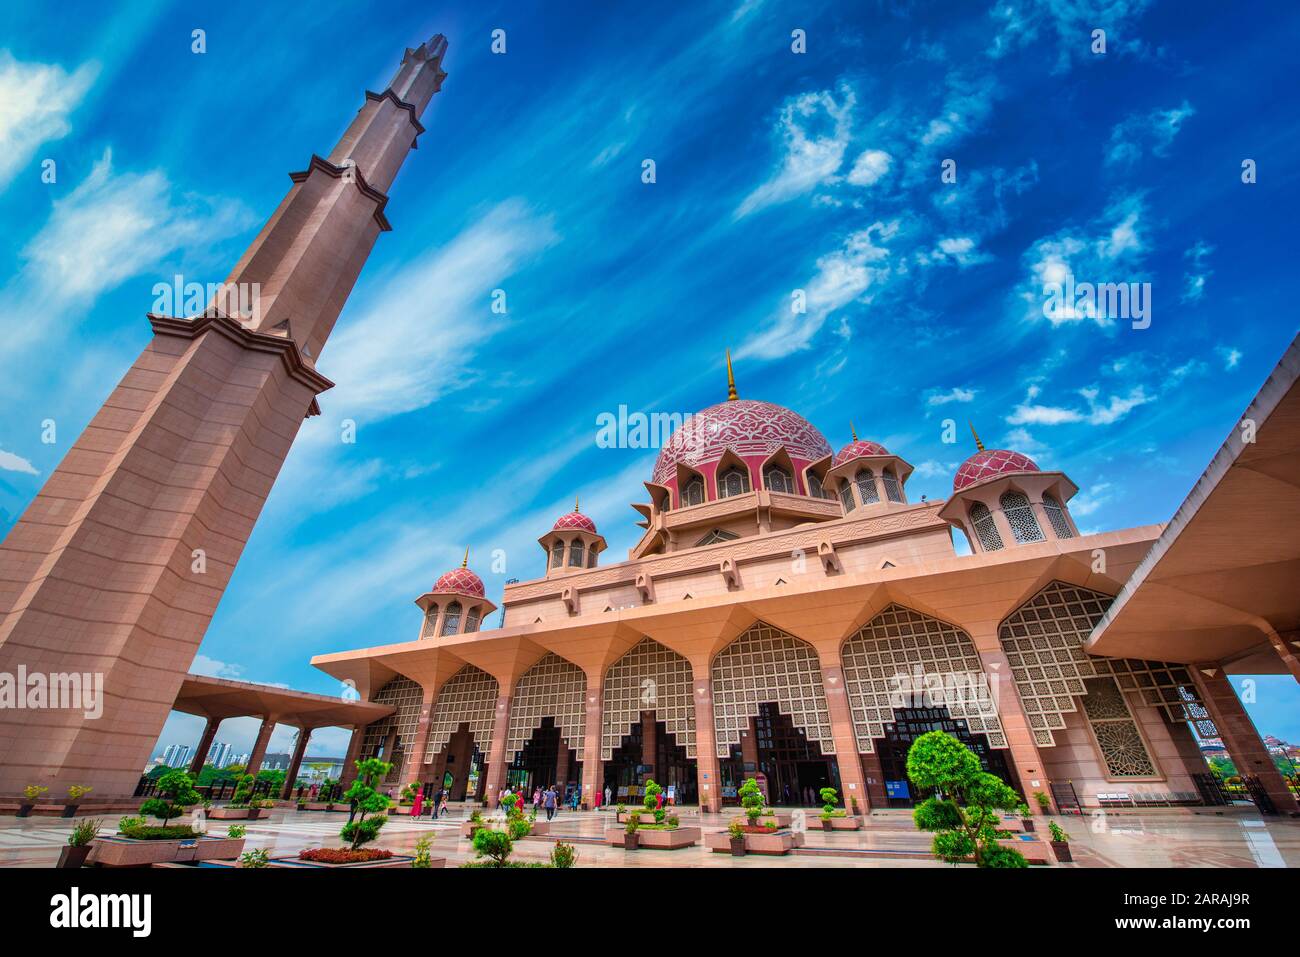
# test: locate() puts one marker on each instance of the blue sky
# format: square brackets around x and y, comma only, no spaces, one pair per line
[775,171]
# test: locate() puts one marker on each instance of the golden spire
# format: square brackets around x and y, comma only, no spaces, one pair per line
[852,431]
[978,444]
[575,503]
[464,562]
[731,381]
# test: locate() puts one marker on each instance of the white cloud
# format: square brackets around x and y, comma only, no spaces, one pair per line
[1198,271]
[35,102]
[955,394]
[1230,355]
[933,468]
[211,668]
[1142,133]
[843,276]
[1097,413]
[16,463]
[869,167]
[1068,25]
[415,341]
[1089,501]
[815,128]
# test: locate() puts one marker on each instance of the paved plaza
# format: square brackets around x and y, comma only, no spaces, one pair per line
[1234,837]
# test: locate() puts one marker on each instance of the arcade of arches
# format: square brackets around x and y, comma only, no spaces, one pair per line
[904,673]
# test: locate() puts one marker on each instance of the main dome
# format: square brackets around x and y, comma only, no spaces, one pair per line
[747,427]
[989,463]
[459,581]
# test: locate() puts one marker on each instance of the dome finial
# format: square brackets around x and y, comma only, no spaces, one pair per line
[731,381]
[575,504]
[978,444]
[852,431]
[464,562]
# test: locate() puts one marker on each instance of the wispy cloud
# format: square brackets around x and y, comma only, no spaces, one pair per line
[1140,134]
[955,394]
[10,462]
[36,100]
[1198,271]
[1098,412]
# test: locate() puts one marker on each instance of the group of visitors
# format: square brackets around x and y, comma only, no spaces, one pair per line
[437,805]
[547,800]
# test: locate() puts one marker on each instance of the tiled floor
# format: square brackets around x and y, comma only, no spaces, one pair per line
[1236,837]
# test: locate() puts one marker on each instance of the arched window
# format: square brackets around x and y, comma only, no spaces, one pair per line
[430,621]
[846,496]
[667,504]
[815,486]
[866,480]
[451,621]
[577,557]
[892,491]
[778,480]
[985,530]
[591,557]
[471,620]
[734,481]
[557,554]
[1020,516]
[717,535]
[693,494]
[1056,517]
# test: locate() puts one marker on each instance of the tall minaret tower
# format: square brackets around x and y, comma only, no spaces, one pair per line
[117,566]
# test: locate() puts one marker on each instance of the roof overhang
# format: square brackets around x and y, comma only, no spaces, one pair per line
[222,698]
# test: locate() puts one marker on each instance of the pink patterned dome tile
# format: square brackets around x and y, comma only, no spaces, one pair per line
[748,428]
[990,463]
[460,581]
[574,520]
[856,448]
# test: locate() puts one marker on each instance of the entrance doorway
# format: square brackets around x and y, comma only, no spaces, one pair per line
[546,759]
[794,768]
[910,724]
[664,762]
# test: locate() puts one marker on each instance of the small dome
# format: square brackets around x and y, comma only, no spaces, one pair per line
[459,581]
[574,520]
[856,448]
[989,463]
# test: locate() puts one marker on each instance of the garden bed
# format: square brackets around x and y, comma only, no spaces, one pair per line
[397,860]
[767,842]
[228,813]
[839,823]
[132,852]
[656,838]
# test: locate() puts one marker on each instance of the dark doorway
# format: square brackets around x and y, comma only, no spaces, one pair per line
[795,768]
[910,724]
[545,756]
[627,771]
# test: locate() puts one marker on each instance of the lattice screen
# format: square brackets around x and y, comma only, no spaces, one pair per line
[901,650]
[765,664]
[1115,730]
[469,696]
[1044,645]
[405,695]
[648,677]
[552,688]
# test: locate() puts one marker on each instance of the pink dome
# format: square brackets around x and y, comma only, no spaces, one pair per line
[460,581]
[989,463]
[856,448]
[746,427]
[572,520]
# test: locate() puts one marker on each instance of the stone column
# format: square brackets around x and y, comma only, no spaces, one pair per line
[874,780]
[413,768]
[1020,737]
[349,772]
[649,742]
[561,768]
[259,746]
[593,778]
[1239,734]
[707,768]
[496,762]
[304,735]
[846,742]
[205,745]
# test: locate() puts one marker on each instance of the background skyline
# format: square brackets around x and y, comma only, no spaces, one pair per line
[774,171]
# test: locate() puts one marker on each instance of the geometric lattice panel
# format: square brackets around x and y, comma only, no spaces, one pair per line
[1043,641]
[1115,730]
[764,665]
[648,677]
[468,697]
[405,695]
[901,655]
[552,688]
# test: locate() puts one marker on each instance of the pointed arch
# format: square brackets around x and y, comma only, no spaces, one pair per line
[649,676]
[552,688]
[467,697]
[765,664]
[405,695]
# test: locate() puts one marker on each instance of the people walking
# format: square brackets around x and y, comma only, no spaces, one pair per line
[537,799]
[608,795]
[442,804]
[548,802]
[418,805]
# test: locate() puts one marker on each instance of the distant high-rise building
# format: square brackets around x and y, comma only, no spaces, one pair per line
[219,754]
[176,755]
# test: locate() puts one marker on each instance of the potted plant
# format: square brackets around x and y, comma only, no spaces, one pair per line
[31,793]
[1060,842]
[829,798]
[751,798]
[1026,819]
[75,793]
[630,838]
[1043,801]
[563,856]
[78,847]
[737,832]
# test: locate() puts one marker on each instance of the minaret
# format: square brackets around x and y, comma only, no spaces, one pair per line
[117,566]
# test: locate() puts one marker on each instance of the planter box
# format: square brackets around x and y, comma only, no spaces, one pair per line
[124,852]
[1062,851]
[228,814]
[656,840]
[322,806]
[73,856]
[775,842]
[842,823]
[782,818]
[469,827]
[1034,850]
[397,860]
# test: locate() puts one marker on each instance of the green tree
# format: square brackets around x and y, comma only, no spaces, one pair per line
[830,797]
[494,845]
[365,828]
[652,792]
[962,810]
[751,798]
[175,793]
